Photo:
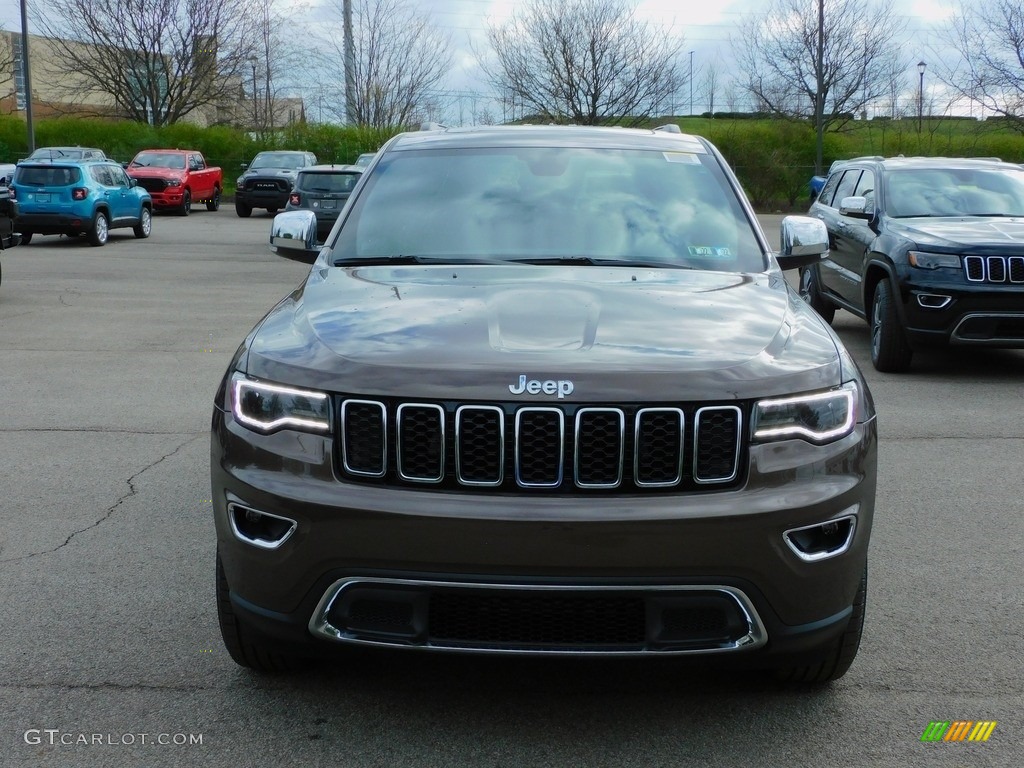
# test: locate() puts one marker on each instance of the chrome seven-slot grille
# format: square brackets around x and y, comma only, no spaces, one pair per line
[994,269]
[549,448]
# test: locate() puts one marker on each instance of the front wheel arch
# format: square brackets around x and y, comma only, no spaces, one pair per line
[877,271]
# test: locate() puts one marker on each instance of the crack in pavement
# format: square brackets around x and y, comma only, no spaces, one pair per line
[132,491]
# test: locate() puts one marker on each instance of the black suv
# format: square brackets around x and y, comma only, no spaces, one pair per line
[928,250]
[268,179]
[545,391]
[323,189]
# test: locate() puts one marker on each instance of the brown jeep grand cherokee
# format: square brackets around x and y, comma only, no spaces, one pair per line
[546,391]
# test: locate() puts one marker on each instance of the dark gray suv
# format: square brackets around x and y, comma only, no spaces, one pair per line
[545,391]
[268,179]
[323,189]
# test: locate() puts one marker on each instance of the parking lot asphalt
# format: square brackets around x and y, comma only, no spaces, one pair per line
[109,358]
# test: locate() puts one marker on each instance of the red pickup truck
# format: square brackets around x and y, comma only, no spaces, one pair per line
[176,178]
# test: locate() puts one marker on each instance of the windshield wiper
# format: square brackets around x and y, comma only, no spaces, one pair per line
[592,262]
[373,261]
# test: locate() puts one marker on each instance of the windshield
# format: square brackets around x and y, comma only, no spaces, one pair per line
[159,160]
[992,191]
[540,204]
[290,160]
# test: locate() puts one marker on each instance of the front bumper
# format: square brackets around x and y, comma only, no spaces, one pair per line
[948,312]
[639,547]
[262,198]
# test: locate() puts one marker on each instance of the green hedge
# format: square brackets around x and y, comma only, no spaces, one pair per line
[774,159]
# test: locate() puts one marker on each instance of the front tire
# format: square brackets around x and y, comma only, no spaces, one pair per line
[145,225]
[213,203]
[245,647]
[840,655]
[186,204]
[26,238]
[100,229]
[890,352]
[810,292]
[243,210]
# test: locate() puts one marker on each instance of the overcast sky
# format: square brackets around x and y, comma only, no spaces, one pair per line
[706,27]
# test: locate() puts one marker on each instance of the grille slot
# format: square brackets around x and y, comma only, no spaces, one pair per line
[996,269]
[480,445]
[583,448]
[658,459]
[540,447]
[975,266]
[421,442]
[1016,269]
[364,437]
[716,444]
[600,442]
[152,185]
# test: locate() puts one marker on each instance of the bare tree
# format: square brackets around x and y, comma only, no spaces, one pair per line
[158,60]
[709,85]
[819,60]
[585,61]
[8,62]
[400,58]
[989,38]
[278,62]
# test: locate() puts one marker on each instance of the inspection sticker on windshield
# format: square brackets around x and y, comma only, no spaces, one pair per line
[681,157]
[710,251]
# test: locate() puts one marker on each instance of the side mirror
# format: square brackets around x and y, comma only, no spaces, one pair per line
[294,233]
[133,182]
[855,207]
[804,242]
[243,165]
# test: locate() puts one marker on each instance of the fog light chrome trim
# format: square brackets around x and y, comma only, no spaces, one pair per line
[263,543]
[934,300]
[823,554]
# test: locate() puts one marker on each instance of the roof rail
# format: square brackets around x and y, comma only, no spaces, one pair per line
[432,126]
[669,128]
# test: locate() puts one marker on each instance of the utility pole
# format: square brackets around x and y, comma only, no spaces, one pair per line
[28,81]
[819,97]
[691,83]
[350,65]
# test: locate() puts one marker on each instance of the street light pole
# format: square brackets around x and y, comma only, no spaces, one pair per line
[691,83]
[920,94]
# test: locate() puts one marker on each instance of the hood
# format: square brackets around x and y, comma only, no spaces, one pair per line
[155,172]
[289,172]
[466,332]
[961,232]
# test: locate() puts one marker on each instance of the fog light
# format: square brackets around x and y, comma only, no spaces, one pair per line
[933,300]
[261,529]
[821,541]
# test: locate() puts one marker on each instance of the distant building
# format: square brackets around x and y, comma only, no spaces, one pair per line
[59,94]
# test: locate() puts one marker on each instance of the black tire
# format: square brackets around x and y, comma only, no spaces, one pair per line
[213,203]
[99,230]
[243,645]
[273,210]
[810,292]
[838,658]
[186,204]
[145,225]
[243,210]
[26,238]
[890,352]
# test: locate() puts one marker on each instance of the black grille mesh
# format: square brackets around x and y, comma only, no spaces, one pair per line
[659,447]
[480,445]
[599,448]
[539,447]
[717,436]
[364,437]
[537,621]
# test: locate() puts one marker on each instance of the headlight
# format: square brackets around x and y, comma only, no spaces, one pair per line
[174,182]
[266,407]
[820,417]
[923,260]
[240,182]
